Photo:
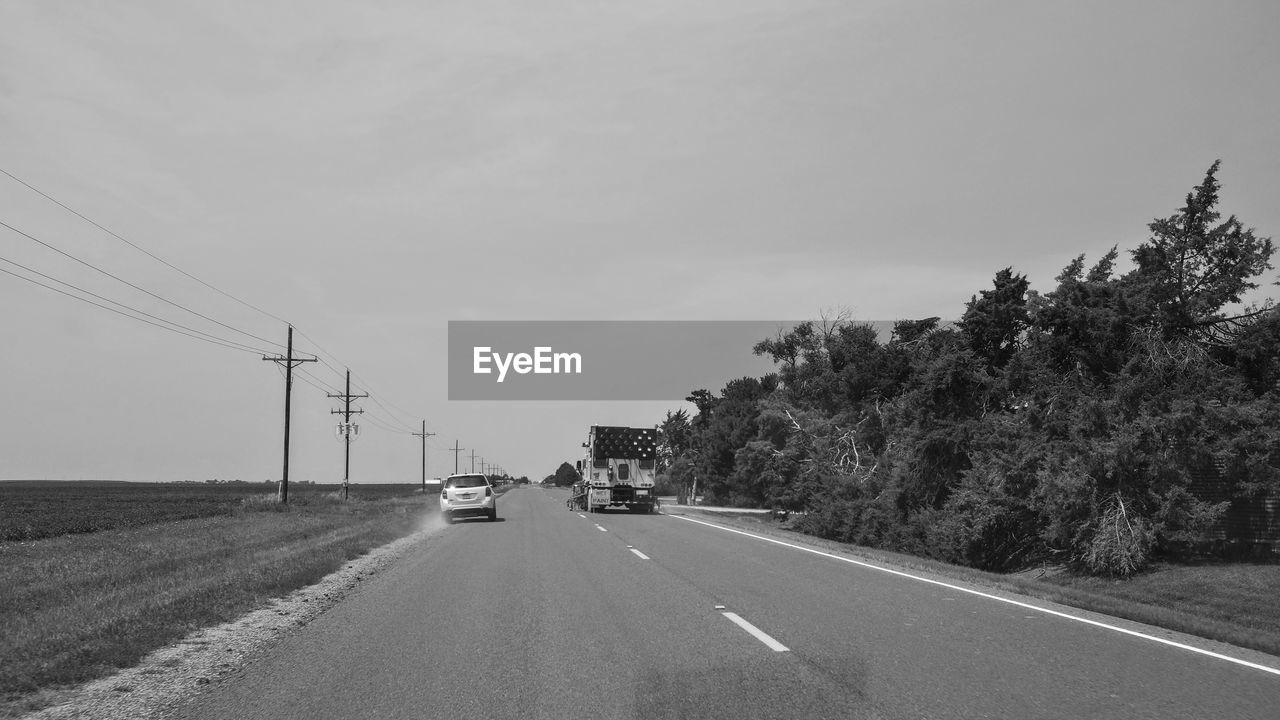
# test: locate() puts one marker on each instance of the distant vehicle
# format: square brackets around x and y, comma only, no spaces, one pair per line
[618,471]
[468,495]
[434,485]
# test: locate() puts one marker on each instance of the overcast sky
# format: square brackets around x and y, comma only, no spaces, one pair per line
[370,171]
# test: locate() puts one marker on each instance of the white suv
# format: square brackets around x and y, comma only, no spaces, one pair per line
[469,494]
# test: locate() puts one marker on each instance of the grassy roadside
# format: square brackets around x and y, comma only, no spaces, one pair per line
[1230,602]
[77,607]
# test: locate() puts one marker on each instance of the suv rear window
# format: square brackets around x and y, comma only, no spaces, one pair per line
[465,481]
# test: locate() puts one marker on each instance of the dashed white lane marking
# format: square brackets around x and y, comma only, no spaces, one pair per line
[756,632]
[1095,623]
[639,554]
[601,529]
[584,517]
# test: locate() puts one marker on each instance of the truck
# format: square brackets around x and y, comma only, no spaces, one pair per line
[618,471]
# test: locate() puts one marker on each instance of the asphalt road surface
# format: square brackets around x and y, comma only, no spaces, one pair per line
[554,614]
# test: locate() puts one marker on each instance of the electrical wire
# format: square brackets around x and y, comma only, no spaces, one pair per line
[307,379]
[392,416]
[135,287]
[132,317]
[148,253]
[392,419]
[389,421]
[321,350]
[386,423]
[321,385]
[380,424]
[129,308]
[327,387]
[406,413]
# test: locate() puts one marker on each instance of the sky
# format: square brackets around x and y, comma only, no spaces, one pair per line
[370,171]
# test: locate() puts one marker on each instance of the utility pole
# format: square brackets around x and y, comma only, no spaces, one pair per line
[473,461]
[288,362]
[424,435]
[346,413]
[456,450]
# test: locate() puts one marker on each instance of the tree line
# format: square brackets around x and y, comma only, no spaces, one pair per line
[1068,426]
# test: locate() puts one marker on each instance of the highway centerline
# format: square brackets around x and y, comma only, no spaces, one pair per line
[989,596]
[756,632]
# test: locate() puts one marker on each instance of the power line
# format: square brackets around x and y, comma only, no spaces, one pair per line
[406,413]
[325,352]
[327,386]
[324,387]
[130,308]
[369,413]
[373,418]
[132,317]
[168,264]
[148,253]
[135,287]
[310,380]
[393,419]
[375,422]
[368,386]
[392,415]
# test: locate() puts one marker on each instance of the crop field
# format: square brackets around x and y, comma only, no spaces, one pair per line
[31,510]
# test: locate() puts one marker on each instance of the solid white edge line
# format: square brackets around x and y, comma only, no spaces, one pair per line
[1134,633]
[639,554]
[756,632]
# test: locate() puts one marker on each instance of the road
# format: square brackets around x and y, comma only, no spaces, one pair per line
[555,614]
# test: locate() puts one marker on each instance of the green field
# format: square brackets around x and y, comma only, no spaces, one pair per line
[35,509]
[93,576]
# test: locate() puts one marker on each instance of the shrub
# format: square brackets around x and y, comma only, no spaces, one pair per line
[1121,542]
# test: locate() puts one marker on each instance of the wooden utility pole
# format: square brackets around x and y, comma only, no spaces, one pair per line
[456,450]
[424,435]
[473,461]
[288,362]
[346,413]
